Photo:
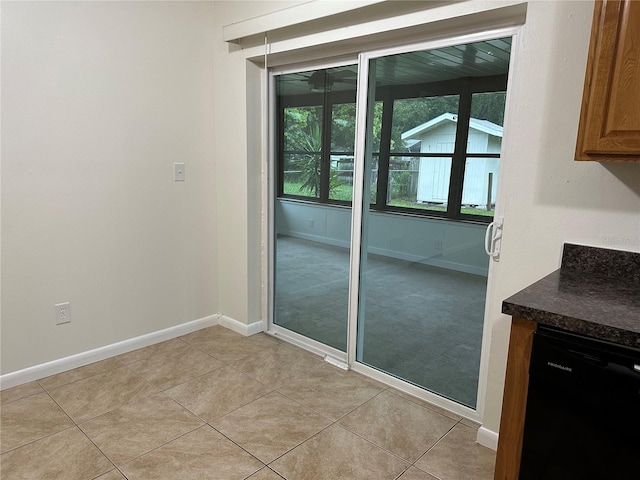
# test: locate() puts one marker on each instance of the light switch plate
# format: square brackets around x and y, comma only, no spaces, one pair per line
[178,172]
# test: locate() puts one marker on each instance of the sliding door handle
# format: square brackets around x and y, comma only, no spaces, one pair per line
[492,238]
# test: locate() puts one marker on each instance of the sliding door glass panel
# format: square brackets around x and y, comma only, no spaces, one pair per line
[480,185]
[484,144]
[422,129]
[302,152]
[343,132]
[315,131]
[423,276]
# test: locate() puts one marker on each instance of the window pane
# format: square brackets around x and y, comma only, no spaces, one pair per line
[485,136]
[480,184]
[419,182]
[302,174]
[374,178]
[426,125]
[341,179]
[403,181]
[485,125]
[377,126]
[303,129]
[343,127]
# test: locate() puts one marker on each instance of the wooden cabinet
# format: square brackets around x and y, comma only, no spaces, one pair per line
[610,117]
[514,403]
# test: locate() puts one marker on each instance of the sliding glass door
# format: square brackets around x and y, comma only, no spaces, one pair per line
[315,113]
[423,266]
[410,286]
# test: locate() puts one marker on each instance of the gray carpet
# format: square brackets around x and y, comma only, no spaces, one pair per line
[421,323]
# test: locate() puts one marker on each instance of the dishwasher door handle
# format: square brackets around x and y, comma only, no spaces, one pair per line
[623,371]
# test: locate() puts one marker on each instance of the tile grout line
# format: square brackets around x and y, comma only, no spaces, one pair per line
[333,423]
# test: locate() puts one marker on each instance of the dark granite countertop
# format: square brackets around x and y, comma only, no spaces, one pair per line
[596,293]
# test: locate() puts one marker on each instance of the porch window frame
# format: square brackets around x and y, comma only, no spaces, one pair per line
[464,88]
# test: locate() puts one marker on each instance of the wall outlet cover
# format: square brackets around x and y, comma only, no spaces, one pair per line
[63,313]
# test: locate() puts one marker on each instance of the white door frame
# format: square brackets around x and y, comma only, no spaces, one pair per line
[357,220]
[330,354]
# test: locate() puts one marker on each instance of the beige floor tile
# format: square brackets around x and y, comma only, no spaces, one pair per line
[336,453]
[415,474]
[151,350]
[231,349]
[80,373]
[265,474]
[279,366]
[21,391]
[175,367]
[218,393]
[458,456]
[210,334]
[398,425]
[265,340]
[331,392]
[226,345]
[29,419]
[67,455]
[203,453]
[94,396]
[112,475]
[430,406]
[270,426]
[154,435]
[138,427]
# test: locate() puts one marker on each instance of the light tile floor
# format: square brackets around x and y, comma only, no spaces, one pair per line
[216,405]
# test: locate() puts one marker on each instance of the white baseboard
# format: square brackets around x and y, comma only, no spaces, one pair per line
[242,328]
[487,438]
[81,359]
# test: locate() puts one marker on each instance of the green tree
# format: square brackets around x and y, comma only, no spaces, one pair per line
[489,106]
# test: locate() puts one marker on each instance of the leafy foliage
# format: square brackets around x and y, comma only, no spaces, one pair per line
[303,138]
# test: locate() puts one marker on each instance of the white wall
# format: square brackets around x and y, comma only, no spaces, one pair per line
[98,100]
[547,198]
[239,166]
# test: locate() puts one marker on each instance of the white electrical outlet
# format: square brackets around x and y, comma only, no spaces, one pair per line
[63,313]
[311,222]
[178,172]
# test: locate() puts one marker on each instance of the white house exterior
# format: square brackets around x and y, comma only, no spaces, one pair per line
[438,136]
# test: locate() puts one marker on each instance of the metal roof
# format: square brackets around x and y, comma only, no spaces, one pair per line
[485,126]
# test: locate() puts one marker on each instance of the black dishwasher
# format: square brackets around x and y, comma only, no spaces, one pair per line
[583,410]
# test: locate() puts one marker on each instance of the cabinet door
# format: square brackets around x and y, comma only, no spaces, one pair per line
[610,118]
